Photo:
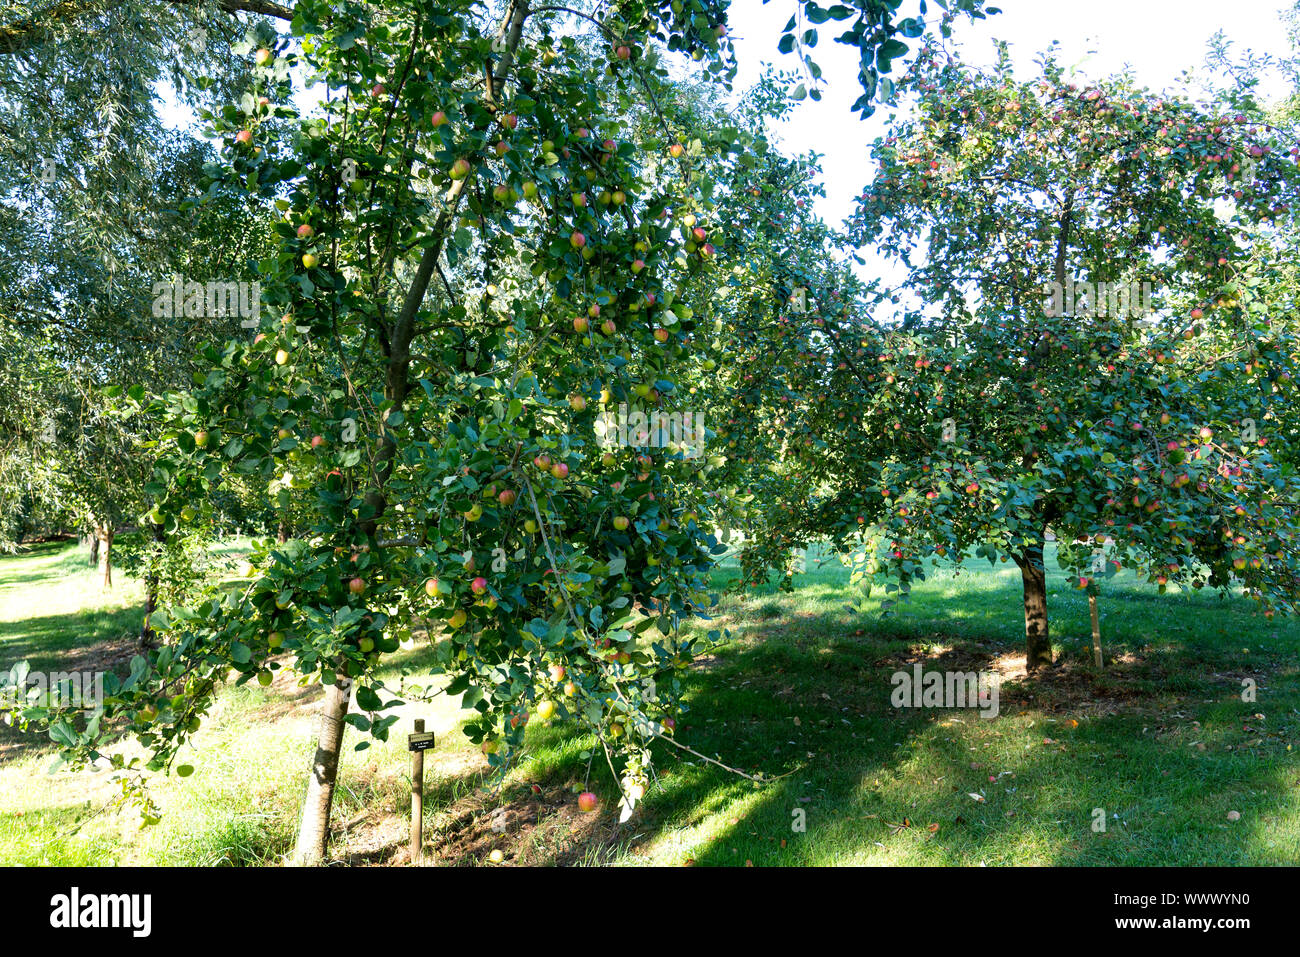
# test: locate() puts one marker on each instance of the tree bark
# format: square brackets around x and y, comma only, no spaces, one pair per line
[282,532]
[1038,645]
[314,830]
[94,547]
[104,539]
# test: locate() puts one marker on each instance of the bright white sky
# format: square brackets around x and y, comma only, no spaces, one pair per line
[1158,38]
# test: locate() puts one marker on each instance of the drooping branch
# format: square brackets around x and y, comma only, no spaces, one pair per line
[22,34]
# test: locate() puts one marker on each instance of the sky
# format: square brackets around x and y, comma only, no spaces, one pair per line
[1159,39]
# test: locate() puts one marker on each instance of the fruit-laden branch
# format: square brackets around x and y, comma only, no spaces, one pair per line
[20,35]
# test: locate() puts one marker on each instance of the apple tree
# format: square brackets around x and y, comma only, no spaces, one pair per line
[968,412]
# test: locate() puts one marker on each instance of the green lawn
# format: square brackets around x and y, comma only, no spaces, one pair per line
[1160,741]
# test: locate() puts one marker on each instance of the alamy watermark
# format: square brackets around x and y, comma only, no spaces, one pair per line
[21,688]
[658,430]
[1101,299]
[180,298]
[946,689]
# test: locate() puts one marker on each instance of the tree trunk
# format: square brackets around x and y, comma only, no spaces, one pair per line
[94,547]
[314,831]
[104,540]
[1038,645]
[282,532]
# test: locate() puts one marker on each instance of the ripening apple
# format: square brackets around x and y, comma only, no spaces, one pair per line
[309,260]
[281,357]
[510,121]
[638,265]
[545,710]
[570,689]
[587,801]
[501,193]
[676,150]
[530,190]
[557,672]
[317,441]
[580,324]
[577,240]
[459,169]
[543,462]
[438,119]
[457,619]
[661,334]
[501,148]
[475,513]
[357,586]
[623,52]
[479,585]
[263,57]
[578,402]
[377,90]
[507,497]
[244,137]
[608,327]
[559,470]
[201,439]
[621,522]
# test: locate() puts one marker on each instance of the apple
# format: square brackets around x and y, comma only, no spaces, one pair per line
[578,402]
[317,441]
[676,150]
[281,357]
[459,169]
[244,137]
[490,746]
[530,190]
[587,801]
[510,121]
[431,588]
[457,619]
[275,639]
[264,677]
[543,462]
[309,260]
[497,856]
[475,513]
[506,497]
[366,645]
[559,470]
[479,585]
[637,265]
[621,522]
[357,586]
[545,709]
[530,526]
[263,57]
[608,327]
[501,193]
[580,323]
[501,148]
[438,119]
[377,90]
[570,689]
[577,240]
[201,439]
[661,334]
[305,231]
[623,52]
[557,672]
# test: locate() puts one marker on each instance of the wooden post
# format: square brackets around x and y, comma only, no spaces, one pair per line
[1096,631]
[417,799]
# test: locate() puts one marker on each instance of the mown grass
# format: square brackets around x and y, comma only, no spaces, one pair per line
[1160,742]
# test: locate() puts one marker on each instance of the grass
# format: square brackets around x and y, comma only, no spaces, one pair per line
[1160,744]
